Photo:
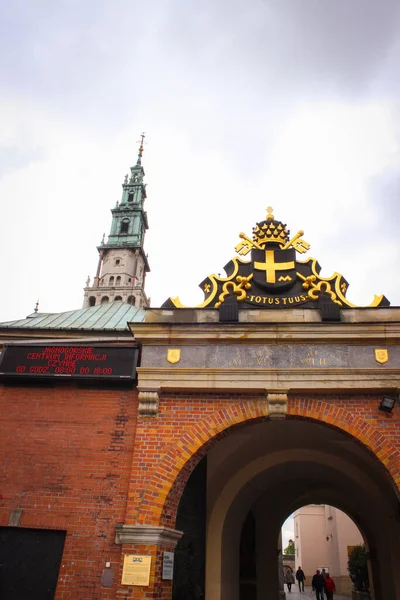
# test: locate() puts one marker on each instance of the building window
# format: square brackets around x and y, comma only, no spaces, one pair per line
[111,282]
[118,280]
[117,298]
[132,300]
[130,197]
[135,178]
[105,299]
[124,226]
[117,261]
[92,301]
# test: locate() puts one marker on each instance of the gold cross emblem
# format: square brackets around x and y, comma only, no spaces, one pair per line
[271,267]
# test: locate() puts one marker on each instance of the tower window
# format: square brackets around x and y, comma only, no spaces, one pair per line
[117,298]
[111,280]
[130,197]
[131,300]
[124,226]
[105,299]
[118,280]
[117,261]
[135,178]
[92,301]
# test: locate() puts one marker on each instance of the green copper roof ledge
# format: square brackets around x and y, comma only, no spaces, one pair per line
[111,316]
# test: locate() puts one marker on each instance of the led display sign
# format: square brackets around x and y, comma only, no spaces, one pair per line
[100,362]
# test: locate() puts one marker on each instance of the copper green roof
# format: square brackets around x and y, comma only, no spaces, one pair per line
[111,316]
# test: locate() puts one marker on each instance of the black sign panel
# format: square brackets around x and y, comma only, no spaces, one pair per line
[100,362]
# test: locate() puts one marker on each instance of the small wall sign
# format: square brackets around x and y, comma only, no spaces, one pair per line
[136,570]
[168,565]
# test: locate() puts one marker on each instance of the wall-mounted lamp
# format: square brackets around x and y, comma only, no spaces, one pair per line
[387,404]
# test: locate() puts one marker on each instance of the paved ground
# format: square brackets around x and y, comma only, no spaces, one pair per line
[296,595]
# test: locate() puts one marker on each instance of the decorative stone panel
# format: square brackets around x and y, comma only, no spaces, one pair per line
[277,404]
[148,403]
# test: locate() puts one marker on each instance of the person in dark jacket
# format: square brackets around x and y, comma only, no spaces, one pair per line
[300,579]
[329,586]
[318,585]
[323,573]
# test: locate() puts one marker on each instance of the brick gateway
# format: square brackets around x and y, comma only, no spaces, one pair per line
[237,407]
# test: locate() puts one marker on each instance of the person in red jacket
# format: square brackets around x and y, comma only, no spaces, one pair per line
[329,586]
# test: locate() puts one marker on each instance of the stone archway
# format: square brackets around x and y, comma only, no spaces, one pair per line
[336,468]
[317,465]
[165,487]
[230,497]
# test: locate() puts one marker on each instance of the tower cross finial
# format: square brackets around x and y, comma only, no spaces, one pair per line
[270,216]
[141,148]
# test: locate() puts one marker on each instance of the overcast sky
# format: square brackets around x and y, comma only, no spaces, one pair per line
[245,103]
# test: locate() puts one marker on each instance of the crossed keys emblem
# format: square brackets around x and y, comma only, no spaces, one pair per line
[296,242]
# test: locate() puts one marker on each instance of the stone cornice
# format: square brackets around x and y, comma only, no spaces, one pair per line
[150,334]
[256,380]
[147,535]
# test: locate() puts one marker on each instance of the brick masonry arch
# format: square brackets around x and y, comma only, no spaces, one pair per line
[360,419]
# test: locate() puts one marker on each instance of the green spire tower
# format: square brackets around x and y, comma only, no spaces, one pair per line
[123,264]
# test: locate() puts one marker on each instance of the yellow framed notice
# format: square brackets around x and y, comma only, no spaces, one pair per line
[136,570]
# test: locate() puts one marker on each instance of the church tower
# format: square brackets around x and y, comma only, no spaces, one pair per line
[123,265]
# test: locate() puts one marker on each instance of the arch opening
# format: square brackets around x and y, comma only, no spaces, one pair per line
[317,539]
[270,469]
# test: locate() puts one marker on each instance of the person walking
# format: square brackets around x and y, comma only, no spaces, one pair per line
[330,587]
[318,585]
[288,578]
[323,573]
[300,579]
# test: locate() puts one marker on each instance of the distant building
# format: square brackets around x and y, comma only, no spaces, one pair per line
[324,536]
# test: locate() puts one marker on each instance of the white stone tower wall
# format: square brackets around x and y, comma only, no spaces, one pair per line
[130,267]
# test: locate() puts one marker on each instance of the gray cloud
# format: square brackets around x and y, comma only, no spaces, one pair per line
[214,84]
[13,158]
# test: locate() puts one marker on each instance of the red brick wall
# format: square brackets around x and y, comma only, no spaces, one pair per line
[67,460]
[66,455]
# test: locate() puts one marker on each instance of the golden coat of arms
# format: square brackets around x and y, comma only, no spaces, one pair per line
[173,355]
[381,355]
[274,278]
